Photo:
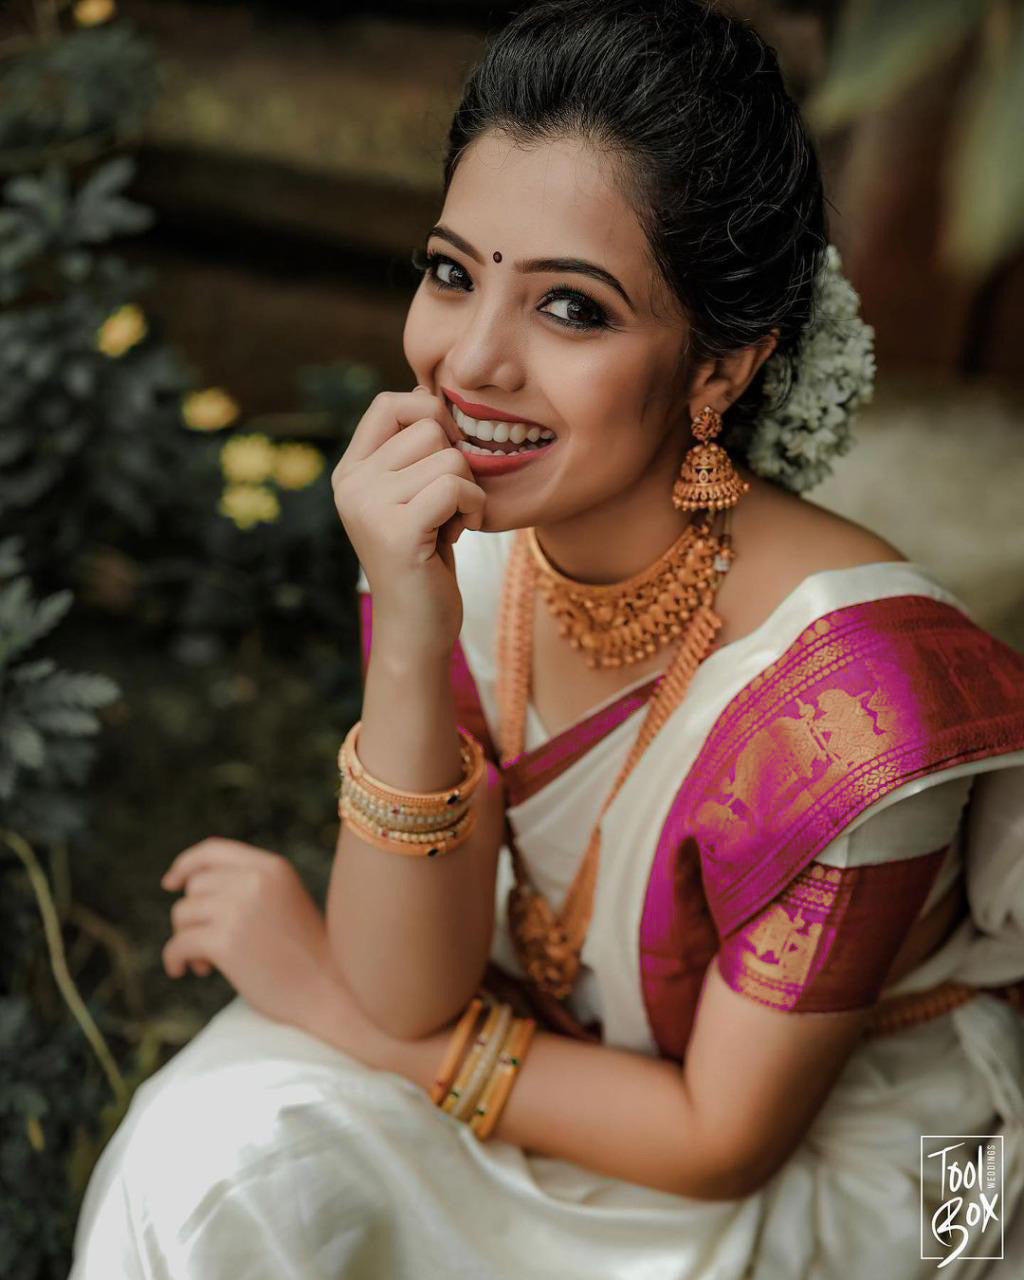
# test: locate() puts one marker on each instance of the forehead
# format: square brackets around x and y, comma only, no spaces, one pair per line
[551,199]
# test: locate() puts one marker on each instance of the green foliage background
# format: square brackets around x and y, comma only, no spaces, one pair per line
[165,673]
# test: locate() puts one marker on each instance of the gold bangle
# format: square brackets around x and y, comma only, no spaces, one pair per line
[405,822]
[484,1103]
[471,753]
[492,1101]
[456,1045]
[400,821]
[423,844]
[424,824]
[457,1092]
[488,1057]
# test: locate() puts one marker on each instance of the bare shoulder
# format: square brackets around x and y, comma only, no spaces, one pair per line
[798,537]
[780,539]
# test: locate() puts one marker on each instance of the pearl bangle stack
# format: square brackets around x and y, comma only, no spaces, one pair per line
[409,822]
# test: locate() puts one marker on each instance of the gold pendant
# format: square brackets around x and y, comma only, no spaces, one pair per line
[541,944]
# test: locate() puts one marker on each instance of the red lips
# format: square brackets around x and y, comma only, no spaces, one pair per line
[485,411]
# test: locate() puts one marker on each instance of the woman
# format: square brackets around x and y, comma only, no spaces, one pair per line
[752,787]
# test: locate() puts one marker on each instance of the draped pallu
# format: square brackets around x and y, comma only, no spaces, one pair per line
[867,699]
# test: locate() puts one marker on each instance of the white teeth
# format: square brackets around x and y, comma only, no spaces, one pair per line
[499,432]
[468,447]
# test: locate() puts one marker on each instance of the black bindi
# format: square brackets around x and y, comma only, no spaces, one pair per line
[496,256]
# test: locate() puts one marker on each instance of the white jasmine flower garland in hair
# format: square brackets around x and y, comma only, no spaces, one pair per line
[834,375]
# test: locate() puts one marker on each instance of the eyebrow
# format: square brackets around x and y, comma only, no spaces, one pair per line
[576,265]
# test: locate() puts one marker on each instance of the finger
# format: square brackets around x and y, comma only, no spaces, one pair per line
[444,497]
[206,882]
[452,530]
[402,485]
[209,881]
[196,944]
[212,852]
[388,413]
[420,439]
[190,911]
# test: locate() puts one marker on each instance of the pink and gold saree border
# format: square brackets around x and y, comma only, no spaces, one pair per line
[866,699]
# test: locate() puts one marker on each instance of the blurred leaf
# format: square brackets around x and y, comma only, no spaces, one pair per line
[22,622]
[881,46]
[25,743]
[985,179]
[44,194]
[68,721]
[100,212]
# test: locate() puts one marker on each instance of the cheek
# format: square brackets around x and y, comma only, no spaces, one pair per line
[423,338]
[416,334]
[608,400]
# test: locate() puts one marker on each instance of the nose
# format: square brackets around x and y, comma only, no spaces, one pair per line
[486,350]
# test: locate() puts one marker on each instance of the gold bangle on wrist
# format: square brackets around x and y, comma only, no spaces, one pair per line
[493,1097]
[475,1089]
[462,1094]
[456,1045]
[472,756]
[409,824]
[485,1065]
[425,844]
[423,823]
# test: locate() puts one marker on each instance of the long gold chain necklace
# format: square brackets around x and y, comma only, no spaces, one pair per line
[548,945]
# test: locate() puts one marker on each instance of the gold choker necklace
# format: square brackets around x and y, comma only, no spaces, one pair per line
[619,623]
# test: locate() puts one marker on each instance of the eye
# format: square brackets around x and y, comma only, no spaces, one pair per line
[593,315]
[431,263]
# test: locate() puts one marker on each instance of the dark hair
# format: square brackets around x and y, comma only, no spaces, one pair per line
[714,155]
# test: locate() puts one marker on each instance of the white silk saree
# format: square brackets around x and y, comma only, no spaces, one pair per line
[260,1152]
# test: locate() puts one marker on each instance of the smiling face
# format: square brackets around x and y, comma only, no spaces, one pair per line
[589,353]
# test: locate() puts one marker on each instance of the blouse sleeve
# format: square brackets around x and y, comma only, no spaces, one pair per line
[827,941]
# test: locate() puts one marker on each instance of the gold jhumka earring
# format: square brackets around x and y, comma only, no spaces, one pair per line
[707,478]
[611,624]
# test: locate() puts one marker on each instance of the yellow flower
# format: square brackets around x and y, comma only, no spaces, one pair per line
[247,459]
[35,1132]
[90,13]
[208,410]
[247,504]
[297,465]
[122,330]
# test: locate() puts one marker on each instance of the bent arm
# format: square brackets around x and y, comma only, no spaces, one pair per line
[717,1129]
[411,935]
